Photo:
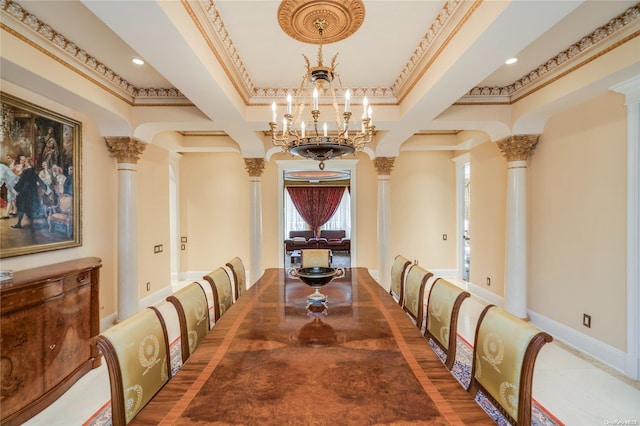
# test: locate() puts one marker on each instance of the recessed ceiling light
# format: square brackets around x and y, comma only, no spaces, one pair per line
[511,61]
[137,61]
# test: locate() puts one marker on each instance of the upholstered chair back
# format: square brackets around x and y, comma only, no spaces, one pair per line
[398,273]
[136,352]
[167,311]
[315,257]
[443,306]
[208,291]
[222,292]
[504,356]
[414,293]
[239,276]
[193,312]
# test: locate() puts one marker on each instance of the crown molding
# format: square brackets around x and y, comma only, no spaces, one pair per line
[54,44]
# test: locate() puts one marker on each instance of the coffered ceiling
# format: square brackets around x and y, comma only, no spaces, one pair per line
[414,60]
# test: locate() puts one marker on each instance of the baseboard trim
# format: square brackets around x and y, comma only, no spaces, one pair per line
[607,354]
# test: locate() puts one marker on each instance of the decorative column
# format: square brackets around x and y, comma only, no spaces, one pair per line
[383,166]
[517,149]
[255,167]
[127,151]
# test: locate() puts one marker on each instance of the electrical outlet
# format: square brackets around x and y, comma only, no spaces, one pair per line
[444,237]
[488,281]
[183,246]
[148,285]
[183,239]
[586,320]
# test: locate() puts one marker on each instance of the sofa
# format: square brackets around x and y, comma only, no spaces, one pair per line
[334,240]
[299,240]
[331,239]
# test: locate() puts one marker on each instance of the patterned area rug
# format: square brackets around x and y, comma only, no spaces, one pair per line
[462,372]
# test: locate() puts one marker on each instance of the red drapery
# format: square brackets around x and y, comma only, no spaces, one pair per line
[316,204]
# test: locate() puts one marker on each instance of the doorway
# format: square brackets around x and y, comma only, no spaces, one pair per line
[345,167]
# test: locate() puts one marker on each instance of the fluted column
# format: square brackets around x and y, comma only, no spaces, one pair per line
[127,151]
[383,166]
[255,167]
[517,149]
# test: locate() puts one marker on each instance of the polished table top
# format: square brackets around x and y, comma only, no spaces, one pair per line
[269,360]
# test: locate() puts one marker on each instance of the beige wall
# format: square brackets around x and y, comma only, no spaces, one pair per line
[99,204]
[423,208]
[488,217]
[214,210]
[577,219]
[153,220]
[576,214]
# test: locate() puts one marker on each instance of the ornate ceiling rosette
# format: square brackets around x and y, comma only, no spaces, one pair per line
[298,19]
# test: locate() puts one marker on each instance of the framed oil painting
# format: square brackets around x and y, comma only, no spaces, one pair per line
[40,187]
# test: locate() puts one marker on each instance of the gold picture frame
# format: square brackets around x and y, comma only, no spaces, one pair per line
[40,209]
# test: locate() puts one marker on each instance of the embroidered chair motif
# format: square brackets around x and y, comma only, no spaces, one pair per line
[398,275]
[239,276]
[443,306]
[136,352]
[414,293]
[504,357]
[222,292]
[193,313]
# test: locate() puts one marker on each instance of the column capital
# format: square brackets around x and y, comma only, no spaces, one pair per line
[518,147]
[125,149]
[254,166]
[384,165]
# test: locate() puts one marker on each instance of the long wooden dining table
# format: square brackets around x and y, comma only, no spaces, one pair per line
[272,361]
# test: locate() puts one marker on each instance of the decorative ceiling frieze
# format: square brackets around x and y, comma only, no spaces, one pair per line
[585,44]
[435,30]
[58,40]
[486,95]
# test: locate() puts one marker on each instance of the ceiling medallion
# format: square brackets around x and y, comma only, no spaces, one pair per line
[298,19]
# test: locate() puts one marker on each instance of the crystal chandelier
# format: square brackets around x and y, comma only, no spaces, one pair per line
[309,139]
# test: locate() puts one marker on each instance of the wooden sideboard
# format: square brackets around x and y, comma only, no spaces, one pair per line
[49,316]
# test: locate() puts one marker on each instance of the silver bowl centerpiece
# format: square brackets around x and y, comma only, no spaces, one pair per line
[316,277]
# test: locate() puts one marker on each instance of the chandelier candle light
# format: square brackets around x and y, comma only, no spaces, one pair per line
[311,142]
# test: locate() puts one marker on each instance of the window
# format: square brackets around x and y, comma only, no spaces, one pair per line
[340,220]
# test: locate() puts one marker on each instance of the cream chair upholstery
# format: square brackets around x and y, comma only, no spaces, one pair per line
[136,352]
[239,276]
[191,304]
[222,293]
[414,293]
[211,302]
[398,274]
[443,306]
[504,356]
[169,315]
[315,257]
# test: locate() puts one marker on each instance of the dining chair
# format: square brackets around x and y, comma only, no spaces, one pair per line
[443,306]
[136,351]
[239,276]
[414,286]
[315,257]
[167,311]
[211,302]
[193,313]
[222,293]
[504,357]
[398,274]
